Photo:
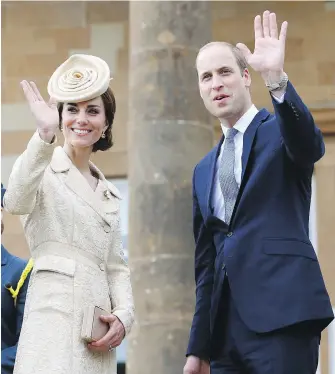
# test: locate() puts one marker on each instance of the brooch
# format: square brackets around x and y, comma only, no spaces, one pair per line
[107,194]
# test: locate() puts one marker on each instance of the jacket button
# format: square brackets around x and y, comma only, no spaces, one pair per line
[102,266]
[229,234]
[107,228]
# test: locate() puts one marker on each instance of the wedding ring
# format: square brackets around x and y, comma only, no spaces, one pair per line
[110,349]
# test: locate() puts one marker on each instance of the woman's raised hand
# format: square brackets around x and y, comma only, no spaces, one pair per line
[46,114]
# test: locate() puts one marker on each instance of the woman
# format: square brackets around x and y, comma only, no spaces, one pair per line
[71,219]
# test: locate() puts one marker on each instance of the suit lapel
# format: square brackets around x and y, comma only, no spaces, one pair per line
[249,136]
[248,140]
[76,182]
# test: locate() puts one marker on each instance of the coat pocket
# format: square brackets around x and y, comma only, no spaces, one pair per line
[288,247]
[52,288]
[55,264]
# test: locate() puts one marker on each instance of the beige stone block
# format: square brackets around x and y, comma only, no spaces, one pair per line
[226,10]
[313,95]
[33,65]
[16,117]
[67,37]
[326,72]
[12,92]
[106,40]
[21,41]
[233,30]
[294,49]
[51,14]
[13,143]
[330,6]
[301,72]
[107,11]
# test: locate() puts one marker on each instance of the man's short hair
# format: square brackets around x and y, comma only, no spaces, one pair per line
[239,57]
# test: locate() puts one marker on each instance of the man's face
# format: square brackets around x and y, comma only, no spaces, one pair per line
[223,87]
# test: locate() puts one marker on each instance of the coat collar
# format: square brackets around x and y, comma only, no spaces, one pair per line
[61,163]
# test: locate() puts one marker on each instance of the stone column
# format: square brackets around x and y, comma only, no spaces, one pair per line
[169,132]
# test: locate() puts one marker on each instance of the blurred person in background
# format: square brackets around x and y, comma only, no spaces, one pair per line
[71,218]
[15,274]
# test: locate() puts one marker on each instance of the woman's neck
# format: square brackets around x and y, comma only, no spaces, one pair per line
[79,156]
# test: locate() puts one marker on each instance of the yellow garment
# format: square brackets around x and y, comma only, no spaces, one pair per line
[20,283]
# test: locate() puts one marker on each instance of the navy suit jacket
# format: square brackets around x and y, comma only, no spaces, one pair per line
[11,315]
[273,271]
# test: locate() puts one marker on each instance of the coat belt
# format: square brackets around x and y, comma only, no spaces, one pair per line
[67,251]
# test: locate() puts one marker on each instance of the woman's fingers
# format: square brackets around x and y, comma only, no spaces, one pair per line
[36,91]
[28,92]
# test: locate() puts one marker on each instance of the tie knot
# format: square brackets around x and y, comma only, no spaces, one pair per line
[231,133]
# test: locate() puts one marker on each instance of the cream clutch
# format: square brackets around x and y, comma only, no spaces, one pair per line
[93,329]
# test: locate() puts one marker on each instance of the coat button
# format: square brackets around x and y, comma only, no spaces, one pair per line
[107,228]
[229,234]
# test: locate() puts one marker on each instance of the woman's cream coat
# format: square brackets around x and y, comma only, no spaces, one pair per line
[74,237]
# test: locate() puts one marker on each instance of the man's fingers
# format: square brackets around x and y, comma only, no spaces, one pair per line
[283,32]
[258,27]
[273,26]
[266,24]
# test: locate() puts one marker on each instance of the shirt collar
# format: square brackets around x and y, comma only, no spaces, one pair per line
[242,124]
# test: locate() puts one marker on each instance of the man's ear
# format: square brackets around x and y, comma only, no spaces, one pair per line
[247,78]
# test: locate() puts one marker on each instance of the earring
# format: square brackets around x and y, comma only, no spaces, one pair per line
[103,135]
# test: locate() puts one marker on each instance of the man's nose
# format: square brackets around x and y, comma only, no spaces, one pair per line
[217,82]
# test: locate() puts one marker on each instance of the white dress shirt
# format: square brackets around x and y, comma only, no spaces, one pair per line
[217,200]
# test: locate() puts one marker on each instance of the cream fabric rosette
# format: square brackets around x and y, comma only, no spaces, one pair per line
[80,78]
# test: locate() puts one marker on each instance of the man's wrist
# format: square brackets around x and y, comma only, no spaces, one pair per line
[275,81]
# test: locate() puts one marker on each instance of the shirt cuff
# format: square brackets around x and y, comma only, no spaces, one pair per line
[280,99]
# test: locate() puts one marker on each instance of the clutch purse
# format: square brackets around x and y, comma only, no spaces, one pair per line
[93,329]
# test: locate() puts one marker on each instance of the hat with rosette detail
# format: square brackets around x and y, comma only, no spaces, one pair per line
[80,78]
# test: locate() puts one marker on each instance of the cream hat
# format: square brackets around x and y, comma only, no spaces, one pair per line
[79,78]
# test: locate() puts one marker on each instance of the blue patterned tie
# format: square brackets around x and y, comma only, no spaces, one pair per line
[227,179]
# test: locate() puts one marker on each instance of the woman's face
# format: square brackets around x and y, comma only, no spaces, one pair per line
[83,123]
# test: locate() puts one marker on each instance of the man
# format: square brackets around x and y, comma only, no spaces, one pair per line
[14,283]
[261,302]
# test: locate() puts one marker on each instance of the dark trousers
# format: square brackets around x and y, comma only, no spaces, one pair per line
[238,350]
